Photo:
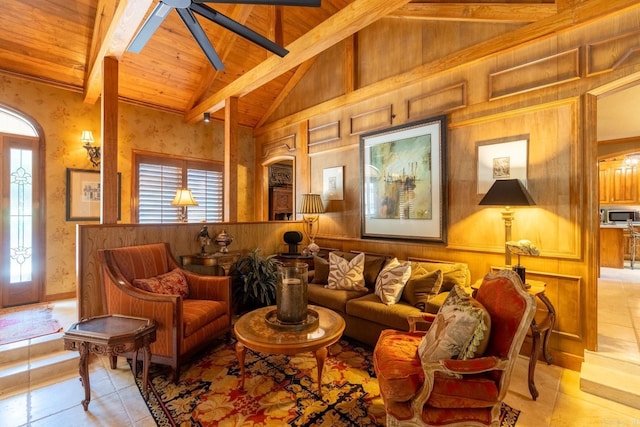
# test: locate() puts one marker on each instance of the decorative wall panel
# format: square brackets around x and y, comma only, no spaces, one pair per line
[371,120]
[324,133]
[607,55]
[437,102]
[282,146]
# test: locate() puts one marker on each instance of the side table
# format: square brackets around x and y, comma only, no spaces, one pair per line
[541,326]
[213,264]
[111,335]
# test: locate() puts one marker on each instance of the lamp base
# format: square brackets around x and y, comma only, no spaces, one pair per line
[313,248]
[521,271]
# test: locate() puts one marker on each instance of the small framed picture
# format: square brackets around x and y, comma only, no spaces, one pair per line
[504,158]
[332,184]
[83,195]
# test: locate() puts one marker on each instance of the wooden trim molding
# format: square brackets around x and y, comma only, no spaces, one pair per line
[609,54]
[438,101]
[322,134]
[371,120]
[284,145]
[544,72]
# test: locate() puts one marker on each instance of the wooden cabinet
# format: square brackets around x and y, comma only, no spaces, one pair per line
[618,183]
[280,203]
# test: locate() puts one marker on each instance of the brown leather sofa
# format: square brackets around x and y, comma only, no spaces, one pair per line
[184,325]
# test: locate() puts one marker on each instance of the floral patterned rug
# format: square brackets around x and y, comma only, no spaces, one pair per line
[22,323]
[279,390]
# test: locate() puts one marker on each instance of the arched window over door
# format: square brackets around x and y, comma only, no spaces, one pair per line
[21,232]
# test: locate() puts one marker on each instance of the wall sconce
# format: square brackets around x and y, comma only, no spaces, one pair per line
[183,198]
[310,207]
[92,151]
[507,193]
[207,117]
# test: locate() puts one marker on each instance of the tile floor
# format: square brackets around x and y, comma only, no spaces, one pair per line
[116,401]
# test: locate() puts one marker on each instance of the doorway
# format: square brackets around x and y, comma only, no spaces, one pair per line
[281,199]
[21,232]
[618,138]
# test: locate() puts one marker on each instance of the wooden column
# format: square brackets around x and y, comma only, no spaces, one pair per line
[231,160]
[109,161]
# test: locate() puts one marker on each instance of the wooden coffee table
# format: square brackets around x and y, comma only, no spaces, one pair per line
[111,335]
[253,331]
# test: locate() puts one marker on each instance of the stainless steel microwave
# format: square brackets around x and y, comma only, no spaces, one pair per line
[623,215]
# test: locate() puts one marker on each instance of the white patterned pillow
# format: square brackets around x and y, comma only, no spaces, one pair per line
[460,331]
[345,274]
[391,281]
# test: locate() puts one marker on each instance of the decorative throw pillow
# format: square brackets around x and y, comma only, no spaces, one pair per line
[171,283]
[320,270]
[460,331]
[421,287]
[345,274]
[372,266]
[392,280]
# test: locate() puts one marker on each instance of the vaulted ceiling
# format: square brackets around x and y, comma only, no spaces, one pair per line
[63,42]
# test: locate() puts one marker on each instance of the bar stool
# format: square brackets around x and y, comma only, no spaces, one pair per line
[634,239]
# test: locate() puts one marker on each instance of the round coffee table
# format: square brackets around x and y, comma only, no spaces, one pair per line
[253,331]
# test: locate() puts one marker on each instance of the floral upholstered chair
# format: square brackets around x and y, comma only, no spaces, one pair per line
[190,310]
[457,372]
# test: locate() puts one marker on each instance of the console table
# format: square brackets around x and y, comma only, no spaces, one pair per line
[541,326]
[111,335]
[213,264]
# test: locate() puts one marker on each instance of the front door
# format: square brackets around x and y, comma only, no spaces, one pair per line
[21,231]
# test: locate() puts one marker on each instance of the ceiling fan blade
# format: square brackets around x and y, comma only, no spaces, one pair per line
[238,28]
[305,3]
[149,27]
[198,33]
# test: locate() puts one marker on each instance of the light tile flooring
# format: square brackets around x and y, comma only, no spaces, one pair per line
[115,399]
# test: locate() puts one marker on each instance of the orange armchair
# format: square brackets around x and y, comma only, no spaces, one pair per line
[455,392]
[184,325]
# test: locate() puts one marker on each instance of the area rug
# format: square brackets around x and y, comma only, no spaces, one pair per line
[22,323]
[279,391]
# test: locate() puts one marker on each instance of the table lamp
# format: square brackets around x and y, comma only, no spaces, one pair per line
[507,193]
[310,208]
[183,199]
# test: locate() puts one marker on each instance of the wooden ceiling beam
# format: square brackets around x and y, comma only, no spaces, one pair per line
[336,28]
[476,12]
[582,15]
[112,32]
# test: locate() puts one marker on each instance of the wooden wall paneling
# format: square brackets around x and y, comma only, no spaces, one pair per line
[609,54]
[368,121]
[324,133]
[544,72]
[437,102]
[246,237]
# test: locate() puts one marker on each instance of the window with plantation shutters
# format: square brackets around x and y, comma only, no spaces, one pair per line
[157,179]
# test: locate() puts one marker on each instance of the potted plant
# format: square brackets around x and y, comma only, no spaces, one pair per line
[254,281]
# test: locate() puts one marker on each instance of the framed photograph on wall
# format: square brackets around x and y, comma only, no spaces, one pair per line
[403,179]
[332,184]
[83,195]
[504,158]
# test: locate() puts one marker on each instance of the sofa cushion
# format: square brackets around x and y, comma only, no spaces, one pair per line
[320,270]
[345,274]
[452,273]
[460,331]
[334,299]
[369,308]
[422,287]
[372,266]
[171,283]
[392,280]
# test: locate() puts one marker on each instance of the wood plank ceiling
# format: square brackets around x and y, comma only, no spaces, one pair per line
[62,43]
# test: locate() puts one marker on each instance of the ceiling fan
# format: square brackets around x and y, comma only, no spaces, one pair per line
[186,9]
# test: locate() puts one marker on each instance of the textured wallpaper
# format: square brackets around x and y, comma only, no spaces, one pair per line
[62,115]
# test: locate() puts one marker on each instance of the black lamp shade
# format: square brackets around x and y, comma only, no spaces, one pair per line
[507,192]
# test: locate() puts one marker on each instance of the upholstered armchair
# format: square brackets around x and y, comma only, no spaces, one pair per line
[461,391]
[190,310]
